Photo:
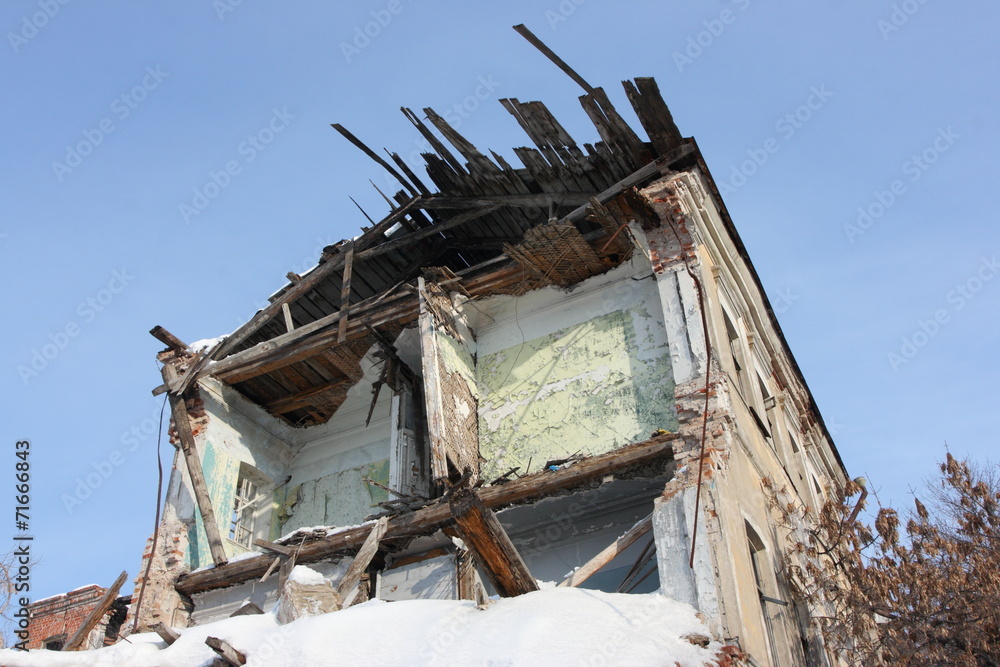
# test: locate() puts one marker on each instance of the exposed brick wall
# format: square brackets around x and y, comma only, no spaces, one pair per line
[160,602]
[63,615]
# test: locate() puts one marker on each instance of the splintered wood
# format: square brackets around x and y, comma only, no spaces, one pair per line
[482,532]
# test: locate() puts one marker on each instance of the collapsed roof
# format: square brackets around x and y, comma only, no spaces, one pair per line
[483,226]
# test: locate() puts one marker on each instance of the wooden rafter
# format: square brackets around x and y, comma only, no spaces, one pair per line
[591,567]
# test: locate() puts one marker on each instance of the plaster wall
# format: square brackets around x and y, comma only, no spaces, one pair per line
[332,460]
[582,371]
[235,431]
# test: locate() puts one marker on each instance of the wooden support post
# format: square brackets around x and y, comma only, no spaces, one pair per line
[345,292]
[287,563]
[226,651]
[485,536]
[286,311]
[183,424]
[167,634]
[608,554]
[348,585]
[270,569]
[96,614]
[468,586]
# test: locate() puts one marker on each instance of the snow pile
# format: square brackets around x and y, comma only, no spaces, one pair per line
[205,343]
[306,576]
[562,626]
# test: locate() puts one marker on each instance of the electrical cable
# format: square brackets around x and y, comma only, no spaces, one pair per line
[708,376]
[156,525]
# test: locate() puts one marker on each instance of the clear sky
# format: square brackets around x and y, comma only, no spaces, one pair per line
[857,142]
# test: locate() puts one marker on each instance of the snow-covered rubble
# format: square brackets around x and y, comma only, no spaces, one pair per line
[561,626]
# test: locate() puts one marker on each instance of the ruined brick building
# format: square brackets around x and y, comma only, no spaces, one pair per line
[563,371]
[57,620]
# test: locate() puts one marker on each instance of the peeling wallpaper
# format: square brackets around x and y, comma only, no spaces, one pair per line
[583,389]
[221,472]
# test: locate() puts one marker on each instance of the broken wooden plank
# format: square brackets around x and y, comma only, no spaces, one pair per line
[226,651]
[279,549]
[373,155]
[270,569]
[167,634]
[182,422]
[248,609]
[483,533]
[433,517]
[550,54]
[349,583]
[653,113]
[468,585]
[345,292]
[96,614]
[609,553]
[168,339]
[287,563]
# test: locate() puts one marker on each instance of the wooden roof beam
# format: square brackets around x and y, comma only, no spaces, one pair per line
[303,398]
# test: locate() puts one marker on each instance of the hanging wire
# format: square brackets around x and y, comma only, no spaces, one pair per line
[156,524]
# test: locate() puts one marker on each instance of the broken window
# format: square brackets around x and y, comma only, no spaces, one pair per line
[735,351]
[249,504]
[792,440]
[759,563]
[54,643]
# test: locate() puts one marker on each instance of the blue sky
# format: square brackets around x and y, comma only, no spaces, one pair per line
[118,115]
